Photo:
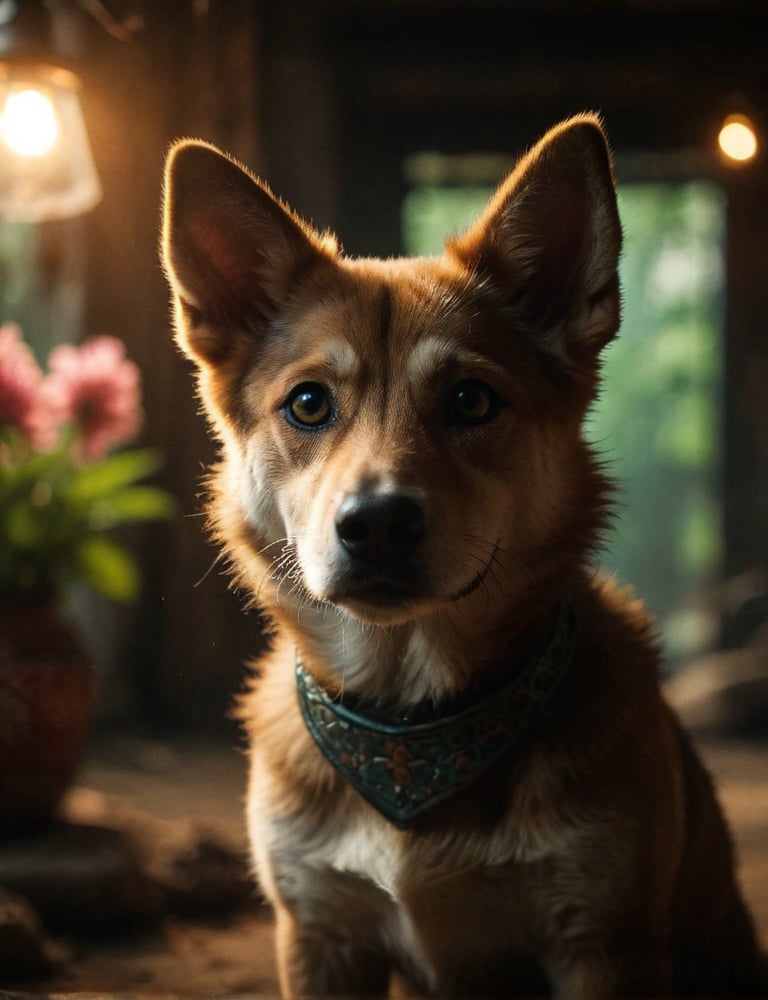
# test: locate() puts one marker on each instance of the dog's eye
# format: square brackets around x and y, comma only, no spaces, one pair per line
[309,405]
[471,402]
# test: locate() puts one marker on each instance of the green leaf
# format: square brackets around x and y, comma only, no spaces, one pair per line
[112,474]
[135,503]
[108,568]
[24,526]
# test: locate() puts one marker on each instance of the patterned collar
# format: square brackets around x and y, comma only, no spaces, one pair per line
[403,765]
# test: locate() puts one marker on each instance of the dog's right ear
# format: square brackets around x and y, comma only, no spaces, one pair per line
[230,249]
[549,241]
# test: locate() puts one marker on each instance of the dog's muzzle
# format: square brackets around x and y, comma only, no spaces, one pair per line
[379,537]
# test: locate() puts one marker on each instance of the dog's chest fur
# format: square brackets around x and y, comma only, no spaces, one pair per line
[432,900]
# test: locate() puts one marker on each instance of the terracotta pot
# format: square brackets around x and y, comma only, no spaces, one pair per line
[46,698]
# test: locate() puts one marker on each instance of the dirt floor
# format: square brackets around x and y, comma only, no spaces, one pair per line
[202,787]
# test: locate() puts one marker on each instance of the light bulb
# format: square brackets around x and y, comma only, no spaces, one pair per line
[28,124]
[737,138]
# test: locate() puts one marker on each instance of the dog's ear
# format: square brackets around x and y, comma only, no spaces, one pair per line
[230,249]
[550,238]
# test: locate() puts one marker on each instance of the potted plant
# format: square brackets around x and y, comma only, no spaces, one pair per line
[65,485]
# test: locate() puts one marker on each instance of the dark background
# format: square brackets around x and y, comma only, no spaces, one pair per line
[326,100]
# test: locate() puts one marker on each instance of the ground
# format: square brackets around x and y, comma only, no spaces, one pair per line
[202,787]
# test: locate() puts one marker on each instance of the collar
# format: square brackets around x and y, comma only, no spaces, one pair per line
[404,767]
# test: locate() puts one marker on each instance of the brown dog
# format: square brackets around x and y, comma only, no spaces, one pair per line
[462,768]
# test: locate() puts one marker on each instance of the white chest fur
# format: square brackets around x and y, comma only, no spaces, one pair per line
[376,883]
[371,849]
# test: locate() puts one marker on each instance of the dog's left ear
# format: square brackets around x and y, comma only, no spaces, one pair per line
[549,240]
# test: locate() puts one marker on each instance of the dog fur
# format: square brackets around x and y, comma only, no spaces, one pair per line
[591,862]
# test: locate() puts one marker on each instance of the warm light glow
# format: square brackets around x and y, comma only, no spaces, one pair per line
[28,124]
[46,165]
[737,138]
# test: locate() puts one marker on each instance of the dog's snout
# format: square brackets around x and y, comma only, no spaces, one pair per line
[380,528]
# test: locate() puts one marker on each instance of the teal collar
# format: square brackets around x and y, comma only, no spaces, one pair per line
[403,765]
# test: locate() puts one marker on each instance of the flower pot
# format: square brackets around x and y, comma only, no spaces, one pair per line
[46,698]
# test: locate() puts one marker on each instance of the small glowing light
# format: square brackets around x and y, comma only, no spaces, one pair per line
[28,124]
[46,165]
[737,138]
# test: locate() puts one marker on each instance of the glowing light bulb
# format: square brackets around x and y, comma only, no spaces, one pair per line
[737,139]
[28,124]
[46,165]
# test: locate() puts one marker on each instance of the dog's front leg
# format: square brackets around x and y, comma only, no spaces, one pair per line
[316,963]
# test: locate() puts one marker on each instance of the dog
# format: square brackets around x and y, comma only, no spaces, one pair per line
[462,770]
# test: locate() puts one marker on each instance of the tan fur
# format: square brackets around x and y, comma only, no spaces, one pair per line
[592,861]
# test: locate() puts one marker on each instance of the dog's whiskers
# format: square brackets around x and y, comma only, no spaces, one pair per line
[281,567]
[214,563]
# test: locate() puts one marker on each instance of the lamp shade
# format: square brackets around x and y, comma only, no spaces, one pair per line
[46,165]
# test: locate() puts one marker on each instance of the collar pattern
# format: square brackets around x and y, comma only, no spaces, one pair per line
[403,768]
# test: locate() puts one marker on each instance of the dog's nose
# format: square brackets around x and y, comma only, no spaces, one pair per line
[380,528]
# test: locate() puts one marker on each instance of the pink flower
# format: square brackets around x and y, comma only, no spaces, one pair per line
[100,389]
[24,403]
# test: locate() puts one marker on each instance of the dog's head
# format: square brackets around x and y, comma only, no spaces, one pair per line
[401,436]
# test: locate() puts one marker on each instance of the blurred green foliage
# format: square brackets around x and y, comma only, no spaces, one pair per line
[57,518]
[658,417]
